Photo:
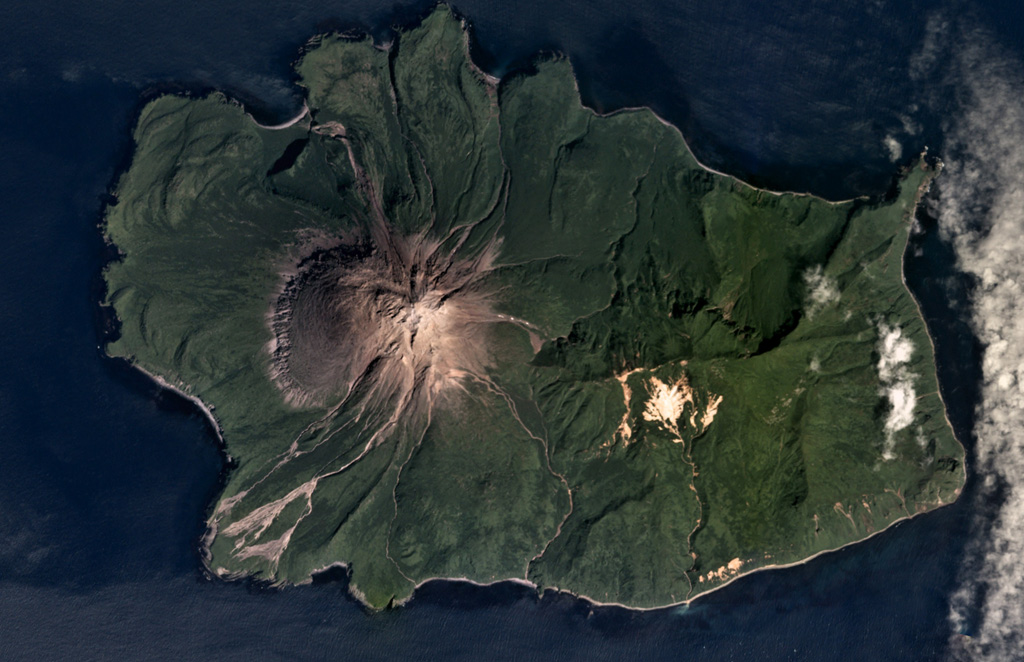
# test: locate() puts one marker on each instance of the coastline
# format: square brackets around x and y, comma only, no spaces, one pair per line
[203,407]
[211,525]
[287,123]
[360,597]
[689,150]
[921,192]
[598,603]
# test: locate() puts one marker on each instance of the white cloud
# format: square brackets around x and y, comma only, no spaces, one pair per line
[821,290]
[894,353]
[981,211]
[909,125]
[894,147]
[72,73]
[936,34]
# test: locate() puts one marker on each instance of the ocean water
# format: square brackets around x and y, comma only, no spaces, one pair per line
[105,480]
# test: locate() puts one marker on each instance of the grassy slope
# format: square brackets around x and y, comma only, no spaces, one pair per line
[619,247]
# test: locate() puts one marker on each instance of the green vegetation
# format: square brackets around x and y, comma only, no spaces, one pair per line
[457,327]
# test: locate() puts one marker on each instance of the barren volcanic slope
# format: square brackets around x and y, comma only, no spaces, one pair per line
[451,326]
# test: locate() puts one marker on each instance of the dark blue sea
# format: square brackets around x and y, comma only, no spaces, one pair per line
[105,480]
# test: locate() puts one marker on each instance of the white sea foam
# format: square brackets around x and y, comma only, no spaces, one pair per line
[981,211]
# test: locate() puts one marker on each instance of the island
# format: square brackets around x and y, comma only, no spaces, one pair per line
[454,327]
